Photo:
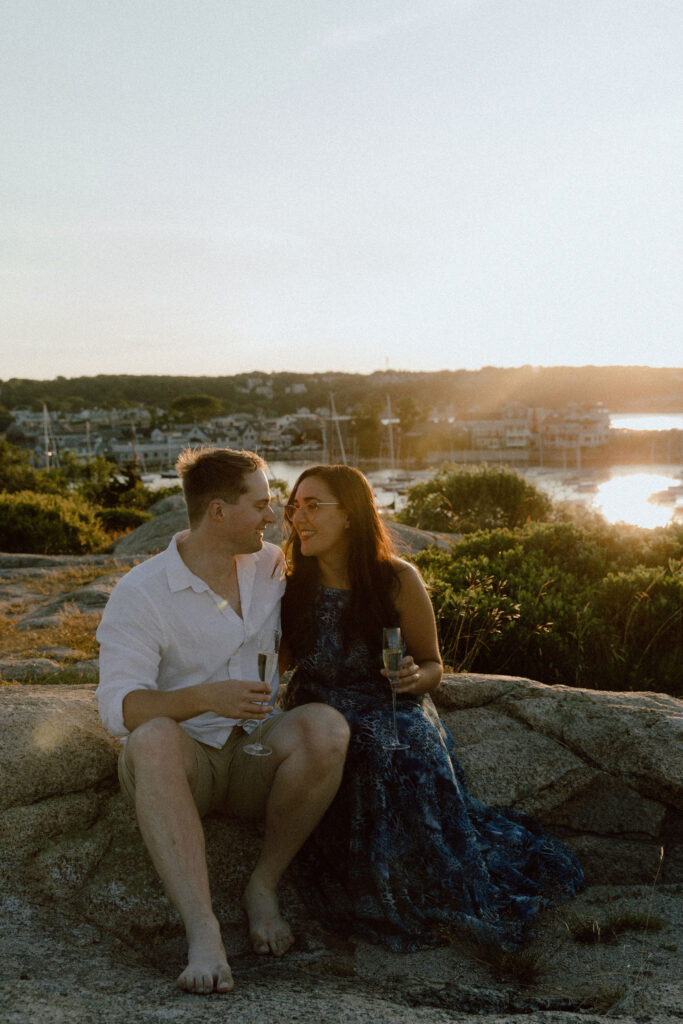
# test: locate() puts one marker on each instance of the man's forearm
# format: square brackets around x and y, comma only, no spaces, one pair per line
[140,706]
[230,698]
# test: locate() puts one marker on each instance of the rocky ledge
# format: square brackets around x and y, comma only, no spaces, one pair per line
[601,769]
[170,516]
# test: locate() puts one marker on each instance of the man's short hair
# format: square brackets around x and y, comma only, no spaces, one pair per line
[208,473]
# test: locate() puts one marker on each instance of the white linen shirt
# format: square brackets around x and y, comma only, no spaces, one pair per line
[163,628]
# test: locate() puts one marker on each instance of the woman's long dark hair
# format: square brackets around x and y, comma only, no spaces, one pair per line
[371,572]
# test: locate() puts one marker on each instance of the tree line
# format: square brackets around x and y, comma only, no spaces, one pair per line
[455,392]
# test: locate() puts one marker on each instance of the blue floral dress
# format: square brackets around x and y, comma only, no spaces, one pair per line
[405,856]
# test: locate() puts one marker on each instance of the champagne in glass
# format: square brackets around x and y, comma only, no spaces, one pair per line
[393,658]
[269,648]
[267,663]
[392,655]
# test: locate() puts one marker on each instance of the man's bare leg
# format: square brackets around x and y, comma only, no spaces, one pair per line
[165,766]
[306,766]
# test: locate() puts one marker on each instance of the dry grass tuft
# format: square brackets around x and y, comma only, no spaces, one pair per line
[591,932]
[607,993]
[64,579]
[586,930]
[518,967]
[512,966]
[74,629]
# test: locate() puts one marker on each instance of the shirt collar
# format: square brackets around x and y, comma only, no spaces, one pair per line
[178,575]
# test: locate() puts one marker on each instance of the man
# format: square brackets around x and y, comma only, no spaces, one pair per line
[178,664]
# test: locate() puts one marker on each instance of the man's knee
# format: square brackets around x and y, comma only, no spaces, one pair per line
[159,737]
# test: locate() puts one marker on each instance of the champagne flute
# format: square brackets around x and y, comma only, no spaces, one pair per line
[392,655]
[268,651]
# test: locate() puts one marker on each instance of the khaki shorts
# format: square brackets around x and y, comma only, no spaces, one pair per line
[228,780]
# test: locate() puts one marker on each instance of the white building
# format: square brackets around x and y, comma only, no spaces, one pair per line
[520,427]
[512,429]
[576,427]
[160,452]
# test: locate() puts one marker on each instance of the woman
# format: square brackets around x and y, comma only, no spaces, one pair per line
[404,855]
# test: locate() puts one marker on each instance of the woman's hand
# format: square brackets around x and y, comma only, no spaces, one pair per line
[421,670]
[410,677]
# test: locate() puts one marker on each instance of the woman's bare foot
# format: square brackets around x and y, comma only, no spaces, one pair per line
[268,930]
[207,965]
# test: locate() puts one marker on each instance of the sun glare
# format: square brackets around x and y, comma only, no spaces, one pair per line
[627,499]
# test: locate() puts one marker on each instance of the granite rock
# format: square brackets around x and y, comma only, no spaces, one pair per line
[170,517]
[69,842]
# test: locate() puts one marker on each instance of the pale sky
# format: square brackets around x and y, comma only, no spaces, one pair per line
[218,186]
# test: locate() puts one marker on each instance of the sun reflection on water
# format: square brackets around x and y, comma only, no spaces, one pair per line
[626,499]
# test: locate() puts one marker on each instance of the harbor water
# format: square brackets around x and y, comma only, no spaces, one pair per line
[646,496]
[639,495]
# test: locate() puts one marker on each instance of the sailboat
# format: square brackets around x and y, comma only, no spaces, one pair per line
[334,419]
[398,480]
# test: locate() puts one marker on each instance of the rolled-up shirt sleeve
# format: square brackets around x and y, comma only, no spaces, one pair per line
[131,639]
[164,629]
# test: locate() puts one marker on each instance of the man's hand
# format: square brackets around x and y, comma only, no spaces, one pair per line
[230,698]
[237,698]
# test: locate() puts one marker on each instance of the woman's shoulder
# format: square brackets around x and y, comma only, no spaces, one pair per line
[403,569]
[407,577]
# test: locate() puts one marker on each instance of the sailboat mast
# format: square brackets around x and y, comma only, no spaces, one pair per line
[390,424]
[335,419]
[388,420]
[46,436]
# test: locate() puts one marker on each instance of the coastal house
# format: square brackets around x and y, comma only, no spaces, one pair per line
[83,444]
[519,427]
[511,429]
[159,451]
[248,437]
[575,427]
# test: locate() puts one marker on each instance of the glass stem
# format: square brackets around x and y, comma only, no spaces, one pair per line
[393,708]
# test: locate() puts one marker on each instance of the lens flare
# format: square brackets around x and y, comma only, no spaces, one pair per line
[627,499]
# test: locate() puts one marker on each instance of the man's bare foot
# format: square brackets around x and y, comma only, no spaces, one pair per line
[207,967]
[268,930]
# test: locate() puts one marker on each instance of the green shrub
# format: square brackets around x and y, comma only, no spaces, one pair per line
[563,545]
[110,486]
[480,498]
[642,614]
[105,484]
[17,473]
[121,519]
[48,524]
[562,604]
